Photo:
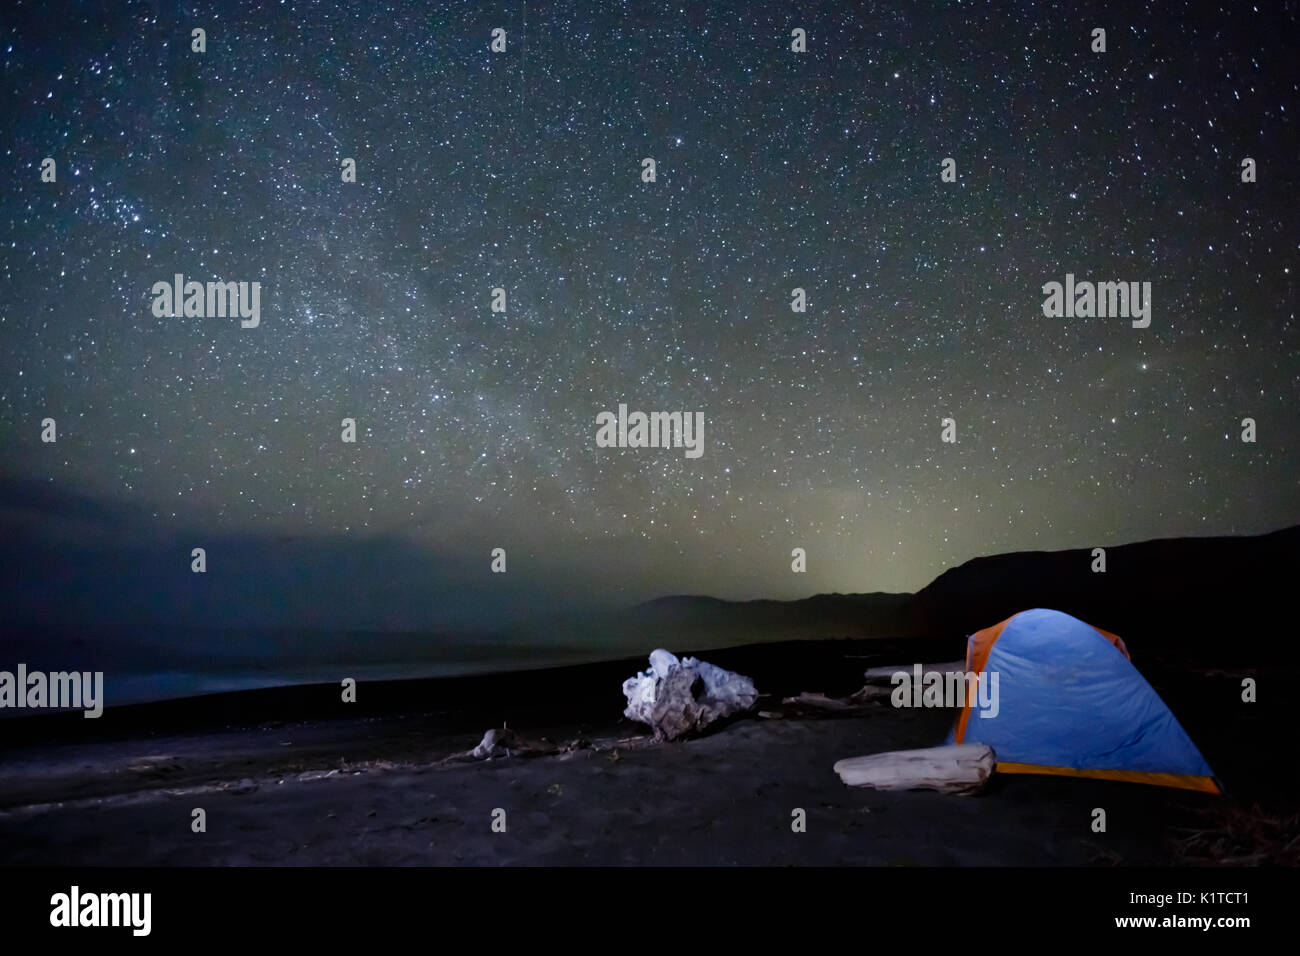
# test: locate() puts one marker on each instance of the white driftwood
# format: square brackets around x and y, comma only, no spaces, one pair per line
[960,768]
[883,675]
[678,698]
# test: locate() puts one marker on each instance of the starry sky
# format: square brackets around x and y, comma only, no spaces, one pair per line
[522,170]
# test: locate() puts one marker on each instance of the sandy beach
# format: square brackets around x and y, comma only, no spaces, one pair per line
[377,789]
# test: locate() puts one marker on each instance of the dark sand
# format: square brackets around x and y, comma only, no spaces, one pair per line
[373,790]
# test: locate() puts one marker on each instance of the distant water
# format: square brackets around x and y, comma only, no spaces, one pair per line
[170,685]
[122,687]
[155,664]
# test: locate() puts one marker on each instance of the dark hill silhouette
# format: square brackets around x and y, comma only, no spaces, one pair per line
[823,615]
[1168,593]
[1162,595]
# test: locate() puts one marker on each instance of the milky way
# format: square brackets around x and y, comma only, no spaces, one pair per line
[522,170]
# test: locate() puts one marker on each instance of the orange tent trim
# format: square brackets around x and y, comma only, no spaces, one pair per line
[1181,781]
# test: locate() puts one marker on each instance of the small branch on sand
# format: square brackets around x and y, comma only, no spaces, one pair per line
[812,704]
[508,743]
[821,701]
[1240,835]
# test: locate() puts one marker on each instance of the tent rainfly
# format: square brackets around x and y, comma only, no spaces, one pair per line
[1072,703]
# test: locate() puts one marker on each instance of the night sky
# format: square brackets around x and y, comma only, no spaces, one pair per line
[522,170]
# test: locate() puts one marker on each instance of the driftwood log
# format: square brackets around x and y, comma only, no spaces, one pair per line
[856,703]
[884,675]
[822,702]
[959,768]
